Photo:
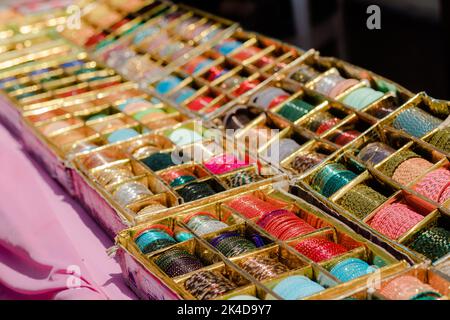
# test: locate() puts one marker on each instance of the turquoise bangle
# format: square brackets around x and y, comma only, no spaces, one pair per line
[350,269]
[297,287]
[122,134]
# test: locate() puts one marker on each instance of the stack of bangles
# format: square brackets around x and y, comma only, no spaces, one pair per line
[130,192]
[296,287]
[224,163]
[202,223]
[269,97]
[196,190]
[232,244]
[362,97]
[435,185]
[416,122]
[405,167]
[97,159]
[284,224]
[351,268]
[307,160]
[158,161]
[304,74]
[111,176]
[251,206]
[375,152]
[241,178]
[334,84]
[262,267]
[441,139]
[177,177]
[152,208]
[320,249]
[295,109]
[344,136]
[154,238]
[205,285]
[394,220]
[331,178]
[434,243]
[361,200]
[176,262]
[408,288]
[322,122]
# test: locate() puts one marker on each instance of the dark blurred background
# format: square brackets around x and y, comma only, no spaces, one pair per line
[412,47]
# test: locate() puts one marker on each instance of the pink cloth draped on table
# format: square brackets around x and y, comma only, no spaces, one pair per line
[49,247]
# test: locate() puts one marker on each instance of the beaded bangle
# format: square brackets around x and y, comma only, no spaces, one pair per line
[395,220]
[361,200]
[441,139]
[331,178]
[434,243]
[434,185]
[391,165]
[416,122]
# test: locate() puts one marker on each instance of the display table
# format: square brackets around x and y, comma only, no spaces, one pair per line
[50,248]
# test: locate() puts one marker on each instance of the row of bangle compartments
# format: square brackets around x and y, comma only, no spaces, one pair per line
[60,81]
[22,41]
[424,118]
[31,24]
[105,23]
[323,74]
[284,252]
[179,29]
[388,191]
[155,163]
[120,113]
[327,126]
[430,281]
[50,70]
[207,81]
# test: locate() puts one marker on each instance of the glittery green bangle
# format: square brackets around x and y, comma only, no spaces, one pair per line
[441,140]
[361,200]
[295,109]
[391,165]
[434,243]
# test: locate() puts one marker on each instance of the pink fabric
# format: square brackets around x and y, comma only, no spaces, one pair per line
[49,247]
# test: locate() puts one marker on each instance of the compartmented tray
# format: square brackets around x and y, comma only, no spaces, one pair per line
[140,269]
